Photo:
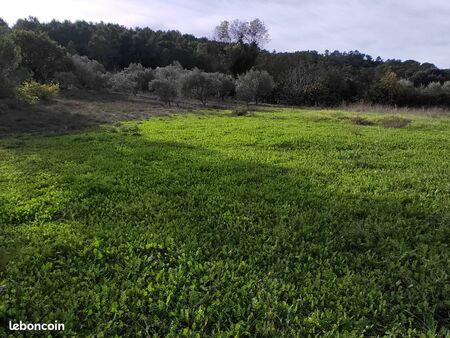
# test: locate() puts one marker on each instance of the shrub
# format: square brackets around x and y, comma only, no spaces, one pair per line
[225,85]
[140,75]
[132,79]
[121,82]
[31,92]
[89,73]
[166,84]
[254,85]
[165,89]
[199,85]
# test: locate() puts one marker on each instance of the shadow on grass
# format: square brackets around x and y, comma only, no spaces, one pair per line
[248,231]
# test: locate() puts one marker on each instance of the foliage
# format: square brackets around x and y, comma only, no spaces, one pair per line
[89,73]
[199,85]
[122,82]
[166,90]
[141,76]
[225,85]
[31,92]
[9,66]
[254,85]
[131,79]
[167,82]
[4,28]
[283,225]
[42,56]
[300,78]
[254,32]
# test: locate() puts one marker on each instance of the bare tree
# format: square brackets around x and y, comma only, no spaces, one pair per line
[221,32]
[254,32]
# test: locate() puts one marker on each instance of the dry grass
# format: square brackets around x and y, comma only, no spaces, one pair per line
[377,108]
[77,110]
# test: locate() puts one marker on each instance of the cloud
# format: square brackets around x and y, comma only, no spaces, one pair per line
[405,29]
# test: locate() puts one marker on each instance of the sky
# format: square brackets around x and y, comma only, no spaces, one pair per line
[400,29]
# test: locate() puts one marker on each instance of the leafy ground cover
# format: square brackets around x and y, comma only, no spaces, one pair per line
[286,223]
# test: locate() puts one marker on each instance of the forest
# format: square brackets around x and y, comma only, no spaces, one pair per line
[100,56]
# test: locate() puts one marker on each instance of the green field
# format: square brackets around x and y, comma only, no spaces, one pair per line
[286,223]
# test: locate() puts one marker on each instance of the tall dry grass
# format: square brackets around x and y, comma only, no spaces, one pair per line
[363,107]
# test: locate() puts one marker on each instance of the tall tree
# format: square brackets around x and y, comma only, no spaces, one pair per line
[42,56]
[254,32]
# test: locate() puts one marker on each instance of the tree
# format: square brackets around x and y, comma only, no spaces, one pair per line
[254,85]
[240,58]
[257,33]
[30,24]
[89,73]
[222,32]
[165,89]
[224,85]
[166,84]
[199,85]
[10,60]
[4,28]
[140,75]
[254,32]
[42,56]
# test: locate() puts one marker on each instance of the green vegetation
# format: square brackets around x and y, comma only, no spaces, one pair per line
[288,223]
[104,56]
[31,92]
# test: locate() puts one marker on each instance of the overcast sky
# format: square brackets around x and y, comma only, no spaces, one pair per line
[404,29]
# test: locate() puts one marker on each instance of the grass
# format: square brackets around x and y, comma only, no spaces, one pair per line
[291,223]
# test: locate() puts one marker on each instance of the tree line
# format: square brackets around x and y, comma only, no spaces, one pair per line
[170,64]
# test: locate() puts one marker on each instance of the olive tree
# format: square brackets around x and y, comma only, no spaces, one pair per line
[254,85]
[199,85]
[165,89]
[89,73]
[167,82]
[224,85]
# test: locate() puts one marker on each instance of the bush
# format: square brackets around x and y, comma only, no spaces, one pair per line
[31,92]
[165,89]
[254,85]
[224,85]
[199,85]
[131,79]
[140,75]
[121,82]
[89,73]
[166,84]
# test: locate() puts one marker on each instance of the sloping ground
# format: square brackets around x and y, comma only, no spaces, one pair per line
[292,223]
[79,110]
